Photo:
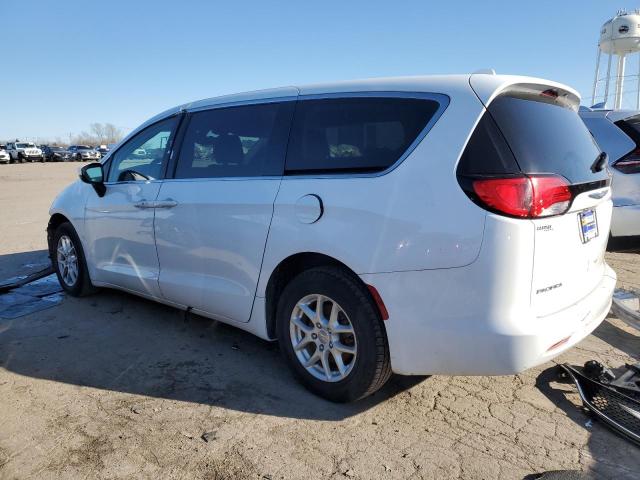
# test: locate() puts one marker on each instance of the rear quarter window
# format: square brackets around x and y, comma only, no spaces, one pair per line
[359,135]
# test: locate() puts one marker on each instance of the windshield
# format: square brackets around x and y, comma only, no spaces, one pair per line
[84,147]
[56,149]
[25,145]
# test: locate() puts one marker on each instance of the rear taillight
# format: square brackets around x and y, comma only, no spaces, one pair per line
[530,196]
[629,163]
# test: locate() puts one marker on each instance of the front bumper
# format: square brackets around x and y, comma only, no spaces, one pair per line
[436,326]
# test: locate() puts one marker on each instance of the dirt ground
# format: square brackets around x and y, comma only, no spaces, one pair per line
[113,386]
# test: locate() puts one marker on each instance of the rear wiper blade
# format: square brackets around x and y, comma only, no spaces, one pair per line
[599,163]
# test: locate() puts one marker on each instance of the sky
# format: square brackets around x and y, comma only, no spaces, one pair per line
[67,63]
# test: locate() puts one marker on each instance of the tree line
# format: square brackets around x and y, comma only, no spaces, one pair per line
[98,134]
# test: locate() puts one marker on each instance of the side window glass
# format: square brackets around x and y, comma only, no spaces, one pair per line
[143,156]
[354,134]
[243,141]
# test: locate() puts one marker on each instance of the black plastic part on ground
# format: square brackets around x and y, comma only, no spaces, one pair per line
[561,475]
[618,411]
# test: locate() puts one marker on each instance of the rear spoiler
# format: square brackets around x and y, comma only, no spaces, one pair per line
[488,87]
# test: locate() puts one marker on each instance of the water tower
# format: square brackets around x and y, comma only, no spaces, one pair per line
[619,37]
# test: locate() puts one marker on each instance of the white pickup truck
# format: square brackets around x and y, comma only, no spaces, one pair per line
[23,151]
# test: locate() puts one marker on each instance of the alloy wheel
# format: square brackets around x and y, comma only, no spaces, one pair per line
[67,261]
[323,338]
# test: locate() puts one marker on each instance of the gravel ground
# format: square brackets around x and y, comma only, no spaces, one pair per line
[113,386]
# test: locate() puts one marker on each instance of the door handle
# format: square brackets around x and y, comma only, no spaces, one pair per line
[168,203]
[144,204]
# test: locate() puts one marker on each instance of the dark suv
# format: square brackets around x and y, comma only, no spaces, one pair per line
[55,154]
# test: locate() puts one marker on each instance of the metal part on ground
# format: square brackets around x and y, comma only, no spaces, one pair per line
[30,297]
[626,306]
[18,281]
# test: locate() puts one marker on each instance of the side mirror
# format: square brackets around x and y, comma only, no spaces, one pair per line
[93,174]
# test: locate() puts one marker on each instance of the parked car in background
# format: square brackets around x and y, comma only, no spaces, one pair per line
[377,226]
[618,133]
[83,153]
[4,156]
[24,151]
[55,154]
[102,150]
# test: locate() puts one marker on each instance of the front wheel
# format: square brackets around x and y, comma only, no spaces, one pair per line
[69,262]
[331,334]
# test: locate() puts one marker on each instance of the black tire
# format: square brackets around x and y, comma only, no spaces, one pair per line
[372,367]
[82,285]
[21,158]
[78,158]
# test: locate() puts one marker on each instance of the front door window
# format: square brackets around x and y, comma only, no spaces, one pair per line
[142,158]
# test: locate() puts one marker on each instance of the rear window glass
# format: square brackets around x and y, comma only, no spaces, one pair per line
[611,138]
[547,138]
[631,126]
[354,134]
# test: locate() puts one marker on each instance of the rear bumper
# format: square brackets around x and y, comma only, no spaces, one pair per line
[441,324]
[625,221]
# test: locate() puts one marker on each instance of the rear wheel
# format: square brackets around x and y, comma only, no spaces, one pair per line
[331,334]
[69,262]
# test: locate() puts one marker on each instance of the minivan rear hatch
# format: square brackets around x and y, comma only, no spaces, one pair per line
[549,144]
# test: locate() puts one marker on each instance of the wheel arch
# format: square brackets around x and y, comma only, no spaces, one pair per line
[286,271]
[55,221]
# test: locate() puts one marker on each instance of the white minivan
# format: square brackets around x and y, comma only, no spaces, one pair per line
[421,225]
